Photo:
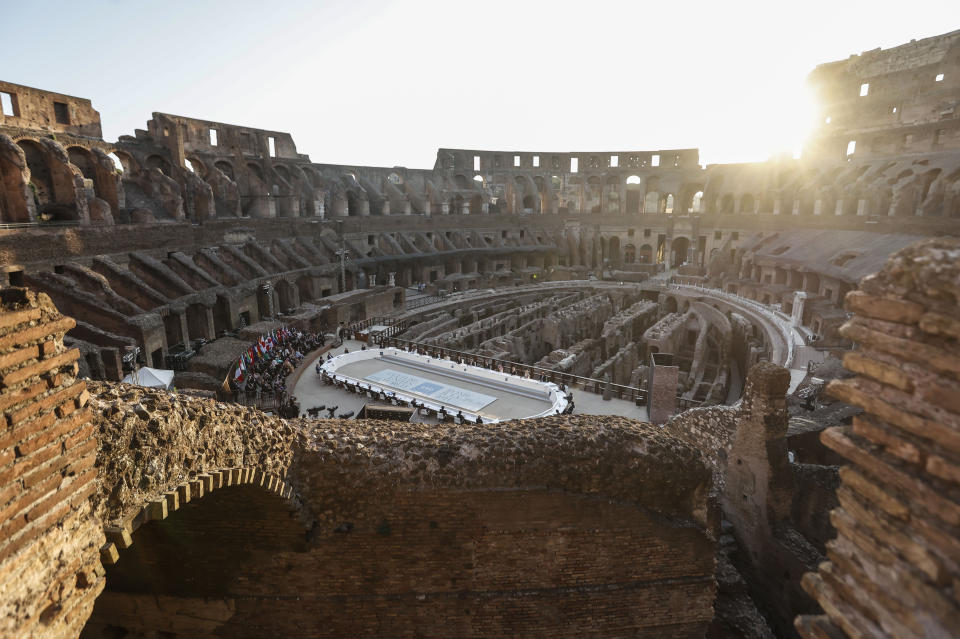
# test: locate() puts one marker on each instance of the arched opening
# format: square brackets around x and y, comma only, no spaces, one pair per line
[529,202]
[726,204]
[670,305]
[226,168]
[181,572]
[629,254]
[119,165]
[265,306]
[668,204]
[634,195]
[159,162]
[286,296]
[305,288]
[697,202]
[13,190]
[766,204]
[613,251]
[645,254]
[678,251]
[746,204]
[256,201]
[104,181]
[199,322]
[51,184]
[285,201]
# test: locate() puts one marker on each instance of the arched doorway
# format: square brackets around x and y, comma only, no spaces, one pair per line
[613,251]
[678,251]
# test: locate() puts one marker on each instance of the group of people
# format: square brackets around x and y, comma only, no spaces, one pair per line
[266,371]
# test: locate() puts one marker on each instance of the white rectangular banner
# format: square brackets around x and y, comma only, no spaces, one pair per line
[443,394]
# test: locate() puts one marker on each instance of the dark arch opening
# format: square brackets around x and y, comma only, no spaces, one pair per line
[678,249]
[187,575]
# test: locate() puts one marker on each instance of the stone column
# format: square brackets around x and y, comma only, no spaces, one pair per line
[796,317]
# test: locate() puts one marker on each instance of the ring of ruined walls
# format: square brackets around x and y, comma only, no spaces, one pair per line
[768,333]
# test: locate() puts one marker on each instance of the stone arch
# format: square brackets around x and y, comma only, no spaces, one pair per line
[97,167]
[726,204]
[226,168]
[128,163]
[696,203]
[613,251]
[159,162]
[747,204]
[255,199]
[16,201]
[629,254]
[634,195]
[283,192]
[120,533]
[287,294]
[645,254]
[670,304]
[766,203]
[51,180]
[679,248]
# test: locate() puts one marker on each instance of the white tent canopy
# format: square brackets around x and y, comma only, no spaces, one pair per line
[151,378]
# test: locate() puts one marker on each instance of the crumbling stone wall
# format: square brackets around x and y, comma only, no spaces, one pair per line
[746,447]
[86,499]
[893,568]
[415,523]
[50,570]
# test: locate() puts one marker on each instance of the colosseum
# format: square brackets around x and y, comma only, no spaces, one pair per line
[518,393]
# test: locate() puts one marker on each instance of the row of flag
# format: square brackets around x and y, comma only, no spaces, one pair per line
[261,347]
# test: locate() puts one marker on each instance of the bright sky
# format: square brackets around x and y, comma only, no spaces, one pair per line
[383,82]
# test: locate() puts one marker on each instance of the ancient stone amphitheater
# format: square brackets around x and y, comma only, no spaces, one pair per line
[717,301]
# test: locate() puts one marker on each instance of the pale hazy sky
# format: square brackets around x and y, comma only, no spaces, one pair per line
[385,82]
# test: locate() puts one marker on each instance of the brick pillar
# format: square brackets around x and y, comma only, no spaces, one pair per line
[50,570]
[662,391]
[894,567]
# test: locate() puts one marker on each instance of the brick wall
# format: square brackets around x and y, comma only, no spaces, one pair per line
[50,570]
[433,563]
[894,566]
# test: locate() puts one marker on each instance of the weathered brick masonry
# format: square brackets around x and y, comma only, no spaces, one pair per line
[50,572]
[189,509]
[559,526]
[894,567]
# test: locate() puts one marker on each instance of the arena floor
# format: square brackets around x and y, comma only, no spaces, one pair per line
[311,392]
